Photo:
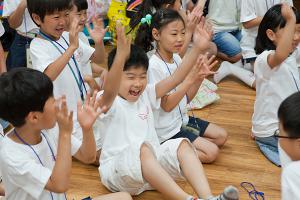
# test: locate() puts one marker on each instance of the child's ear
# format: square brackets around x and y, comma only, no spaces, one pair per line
[36,19]
[32,117]
[270,34]
[155,34]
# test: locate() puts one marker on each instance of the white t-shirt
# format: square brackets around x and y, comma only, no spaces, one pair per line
[167,124]
[224,15]
[2,31]
[272,87]
[87,70]
[9,6]
[290,181]
[24,177]
[128,124]
[250,10]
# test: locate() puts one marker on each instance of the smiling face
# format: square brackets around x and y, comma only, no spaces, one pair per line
[54,24]
[170,38]
[133,83]
[82,15]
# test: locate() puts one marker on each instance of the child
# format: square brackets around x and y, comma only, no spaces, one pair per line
[289,138]
[276,73]
[91,70]
[225,19]
[62,56]
[252,12]
[19,19]
[36,164]
[171,119]
[132,158]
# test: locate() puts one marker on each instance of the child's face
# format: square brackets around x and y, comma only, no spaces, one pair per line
[296,39]
[290,146]
[171,37]
[133,83]
[47,118]
[82,15]
[55,24]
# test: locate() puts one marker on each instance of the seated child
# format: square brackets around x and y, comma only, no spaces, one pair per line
[276,73]
[132,158]
[93,74]
[36,163]
[289,141]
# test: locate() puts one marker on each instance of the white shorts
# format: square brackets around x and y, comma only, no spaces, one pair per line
[124,172]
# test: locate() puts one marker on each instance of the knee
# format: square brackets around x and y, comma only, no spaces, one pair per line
[235,58]
[222,136]
[125,196]
[211,154]
[184,148]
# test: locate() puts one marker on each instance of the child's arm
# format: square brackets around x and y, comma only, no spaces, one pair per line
[55,68]
[16,18]
[284,45]
[191,21]
[252,23]
[2,60]
[97,33]
[113,80]
[87,115]
[60,177]
[190,85]
[201,42]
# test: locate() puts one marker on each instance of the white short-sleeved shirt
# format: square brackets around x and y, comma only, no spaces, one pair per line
[167,124]
[224,15]
[9,6]
[24,177]
[2,31]
[272,87]
[1,138]
[290,181]
[128,124]
[251,9]
[87,70]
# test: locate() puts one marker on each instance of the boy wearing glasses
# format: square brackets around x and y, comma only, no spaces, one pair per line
[289,146]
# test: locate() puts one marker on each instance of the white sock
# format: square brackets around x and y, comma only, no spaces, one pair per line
[223,71]
[249,66]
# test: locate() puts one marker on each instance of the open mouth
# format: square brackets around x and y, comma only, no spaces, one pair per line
[135,92]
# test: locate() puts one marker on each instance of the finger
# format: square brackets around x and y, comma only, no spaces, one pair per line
[87,98]
[211,59]
[71,116]
[213,64]
[64,107]
[93,99]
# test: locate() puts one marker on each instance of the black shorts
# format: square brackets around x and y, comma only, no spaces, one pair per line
[195,128]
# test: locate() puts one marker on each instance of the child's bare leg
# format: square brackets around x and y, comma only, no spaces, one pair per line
[158,178]
[96,163]
[2,192]
[216,134]
[193,170]
[207,151]
[115,196]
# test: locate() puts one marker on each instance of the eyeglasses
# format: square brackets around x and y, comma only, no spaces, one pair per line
[252,192]
[277,134]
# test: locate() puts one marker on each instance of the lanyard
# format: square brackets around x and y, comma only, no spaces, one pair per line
[52,153]
[79,82]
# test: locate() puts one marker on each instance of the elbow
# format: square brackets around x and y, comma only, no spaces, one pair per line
[90,159]
[60,187]
[166,108]
[13,24]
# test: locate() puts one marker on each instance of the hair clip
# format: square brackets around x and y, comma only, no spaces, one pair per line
[146,19]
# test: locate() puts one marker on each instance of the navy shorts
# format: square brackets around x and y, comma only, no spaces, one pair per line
[195,128]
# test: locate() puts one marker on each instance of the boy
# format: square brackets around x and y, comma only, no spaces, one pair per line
[20,20]
[91,70]
[62,56]
[36,164]
[289,146]
[132,158]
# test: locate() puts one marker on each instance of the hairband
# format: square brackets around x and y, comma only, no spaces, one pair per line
[146,19]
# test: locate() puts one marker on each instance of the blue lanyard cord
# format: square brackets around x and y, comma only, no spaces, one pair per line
[294,80]
[252,192]
[52,153]
[79,82]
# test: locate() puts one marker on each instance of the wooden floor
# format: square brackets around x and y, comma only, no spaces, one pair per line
[239,160]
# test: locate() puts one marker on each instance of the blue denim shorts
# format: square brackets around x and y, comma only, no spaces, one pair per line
[228,42]
[195,128]
[269,147]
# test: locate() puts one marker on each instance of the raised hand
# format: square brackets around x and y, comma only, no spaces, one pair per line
[98,31]
[203,34]
[123,42]
[88,113]
[73,33]
[64,119]
[193,18]
[287,12]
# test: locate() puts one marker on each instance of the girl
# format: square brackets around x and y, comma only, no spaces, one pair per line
[172,121]
[252,12]
[276,74]
[190,19]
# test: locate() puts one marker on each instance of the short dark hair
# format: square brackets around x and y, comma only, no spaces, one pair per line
[289,115]
[23,90]
[272,20]
[47,7]
[80,4]
[160,19]
[138,58]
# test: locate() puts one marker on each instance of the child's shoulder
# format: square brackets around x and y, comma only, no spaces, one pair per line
[292,170]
